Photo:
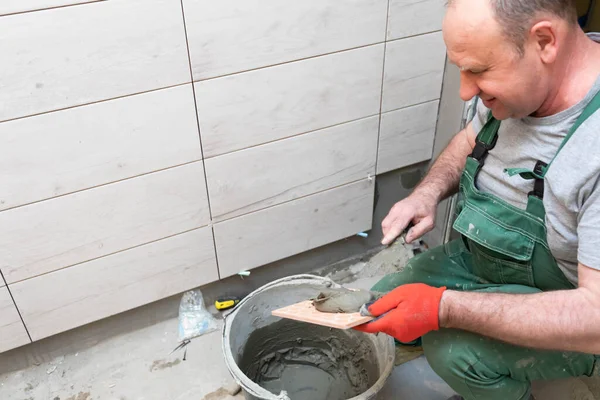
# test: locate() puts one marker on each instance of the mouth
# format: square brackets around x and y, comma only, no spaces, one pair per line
[489,103]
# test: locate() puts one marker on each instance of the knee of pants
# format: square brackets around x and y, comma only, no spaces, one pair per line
[456,356]
[448,354]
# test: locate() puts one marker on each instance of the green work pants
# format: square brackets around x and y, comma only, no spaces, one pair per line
[476,367]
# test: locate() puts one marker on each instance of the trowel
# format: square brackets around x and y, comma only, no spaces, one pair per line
[336,308]
[341,308]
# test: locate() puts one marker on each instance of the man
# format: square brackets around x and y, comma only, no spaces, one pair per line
[517,297]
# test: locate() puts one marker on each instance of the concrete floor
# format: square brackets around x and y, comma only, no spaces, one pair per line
[126,357]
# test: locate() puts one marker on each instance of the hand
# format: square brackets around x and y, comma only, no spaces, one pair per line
[416,208]
[407,312]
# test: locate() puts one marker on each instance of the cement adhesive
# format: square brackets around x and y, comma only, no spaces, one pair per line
[310,362]
[343,300]
[264,355]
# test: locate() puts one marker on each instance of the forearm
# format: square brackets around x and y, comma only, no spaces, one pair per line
[442,179]
[566,320]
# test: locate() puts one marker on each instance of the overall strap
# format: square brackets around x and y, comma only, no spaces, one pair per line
[486,139]
[588,111]
[541,168]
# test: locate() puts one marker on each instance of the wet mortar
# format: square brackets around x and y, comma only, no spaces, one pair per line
[309,362]
[343,300]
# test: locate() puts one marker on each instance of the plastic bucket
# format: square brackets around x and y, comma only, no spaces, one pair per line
[252,338]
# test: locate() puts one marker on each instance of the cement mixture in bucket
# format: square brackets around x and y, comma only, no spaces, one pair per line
[280,359]
[309,362]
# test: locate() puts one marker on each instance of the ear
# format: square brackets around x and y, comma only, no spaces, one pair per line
[543,37]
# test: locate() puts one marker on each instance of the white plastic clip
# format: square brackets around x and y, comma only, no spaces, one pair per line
[244,273]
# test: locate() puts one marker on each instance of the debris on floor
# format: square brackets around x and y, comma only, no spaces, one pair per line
[405,354]
[229,392]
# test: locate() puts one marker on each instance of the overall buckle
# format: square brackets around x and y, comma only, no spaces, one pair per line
[481,149]
[538,184]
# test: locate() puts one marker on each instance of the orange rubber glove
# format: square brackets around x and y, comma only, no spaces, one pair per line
[406,313]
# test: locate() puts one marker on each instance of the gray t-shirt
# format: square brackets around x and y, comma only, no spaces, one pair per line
[572,192]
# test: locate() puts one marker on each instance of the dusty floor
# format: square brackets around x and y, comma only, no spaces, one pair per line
[135,364]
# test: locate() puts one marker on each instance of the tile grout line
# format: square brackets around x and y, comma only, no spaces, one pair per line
[188,231]
[386,40]
[304,196]
[210,216]
[62,268]
[439,108]
[312,131]
[83,3]
[210,224]
[413,36]
[89,103]
[412,105]
[278,64]
[102,185]
[381,112]
[203,159]
[387,20]
[16,307]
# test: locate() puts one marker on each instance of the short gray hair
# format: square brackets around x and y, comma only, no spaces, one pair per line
[514,16]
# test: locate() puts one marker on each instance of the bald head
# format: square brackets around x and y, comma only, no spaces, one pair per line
[466,20]
[513,78]
[515,17]
[520,57]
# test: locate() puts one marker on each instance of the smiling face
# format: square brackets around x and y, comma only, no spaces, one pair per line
[510,84]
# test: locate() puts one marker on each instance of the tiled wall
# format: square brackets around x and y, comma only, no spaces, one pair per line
[151,146]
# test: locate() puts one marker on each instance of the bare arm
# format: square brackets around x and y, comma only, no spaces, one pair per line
[442,179]
[440,182]
[567,320]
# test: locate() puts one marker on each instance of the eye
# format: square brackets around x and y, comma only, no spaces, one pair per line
[474,71]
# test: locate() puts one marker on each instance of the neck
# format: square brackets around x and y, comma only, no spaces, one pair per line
[576,72]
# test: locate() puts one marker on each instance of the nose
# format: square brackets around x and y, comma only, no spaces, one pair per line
[468,86]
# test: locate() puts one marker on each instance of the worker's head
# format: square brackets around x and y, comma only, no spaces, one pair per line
[511,52]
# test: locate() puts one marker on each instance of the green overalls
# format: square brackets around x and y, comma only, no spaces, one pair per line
[502,249]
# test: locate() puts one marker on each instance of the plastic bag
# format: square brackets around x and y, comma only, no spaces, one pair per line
[194,318]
